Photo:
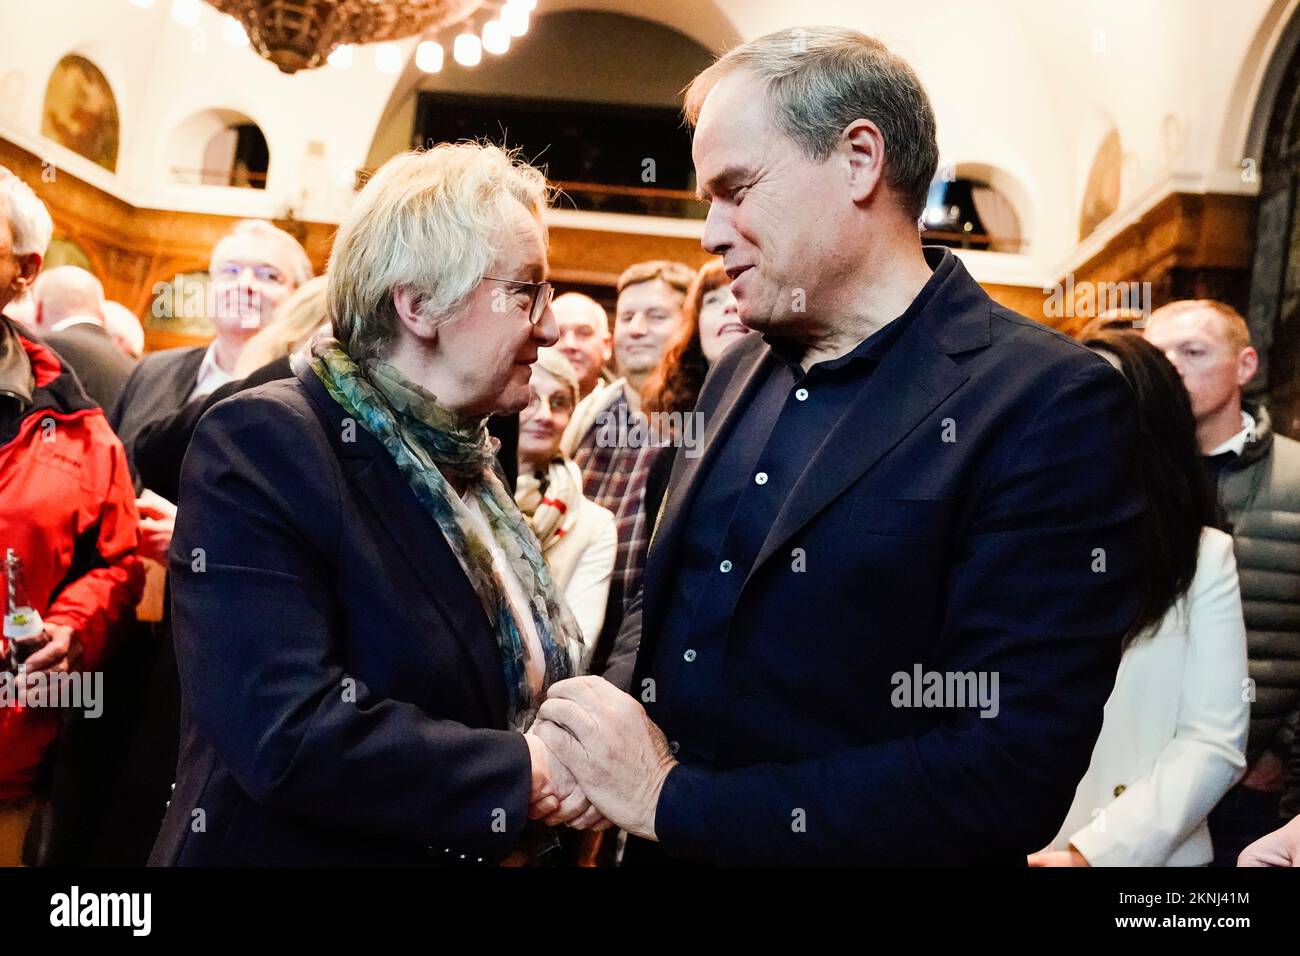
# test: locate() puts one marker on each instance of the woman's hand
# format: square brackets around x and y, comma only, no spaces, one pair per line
[555,797]
[1069,857]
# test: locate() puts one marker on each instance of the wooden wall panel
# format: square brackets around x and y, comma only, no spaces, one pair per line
[1186,246]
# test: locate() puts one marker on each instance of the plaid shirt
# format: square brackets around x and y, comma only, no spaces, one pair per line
[614,468]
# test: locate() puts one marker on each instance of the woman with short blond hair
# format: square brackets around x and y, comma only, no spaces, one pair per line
[368,591]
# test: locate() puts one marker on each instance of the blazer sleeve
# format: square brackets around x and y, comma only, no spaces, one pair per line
[1041,592]
[1155,814]
[262,658]
[588,589]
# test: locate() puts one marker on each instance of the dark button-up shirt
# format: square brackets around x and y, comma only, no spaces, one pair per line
[755,470]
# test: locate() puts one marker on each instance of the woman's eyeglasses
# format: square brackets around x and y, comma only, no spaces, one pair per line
[559,403]
[541,295]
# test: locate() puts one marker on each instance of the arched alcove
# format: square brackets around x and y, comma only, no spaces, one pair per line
[593,95]
[976,206]
[80,111]
[1101,193]
[1274,312]
[219,147]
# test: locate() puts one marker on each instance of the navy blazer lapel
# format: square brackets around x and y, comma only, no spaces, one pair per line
[913,379]
[421,542]
[683,481]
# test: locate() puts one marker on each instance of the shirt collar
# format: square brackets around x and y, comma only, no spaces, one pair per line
[873,348]
[211,375]
[1237,443]
[72,320]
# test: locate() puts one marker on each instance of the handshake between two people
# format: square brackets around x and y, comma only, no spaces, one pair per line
[598,759]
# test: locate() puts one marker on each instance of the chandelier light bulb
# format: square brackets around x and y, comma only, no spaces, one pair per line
[515,18]
[233,31]
[186,12]
[496,38]
[388,58]
[429,56]
[467,50]
[341,58]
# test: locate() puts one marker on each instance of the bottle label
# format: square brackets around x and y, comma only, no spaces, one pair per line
[25,622]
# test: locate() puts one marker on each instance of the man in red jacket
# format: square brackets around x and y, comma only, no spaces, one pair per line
[67,507]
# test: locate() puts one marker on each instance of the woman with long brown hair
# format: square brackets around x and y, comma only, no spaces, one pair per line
[710,323]
[1173,736]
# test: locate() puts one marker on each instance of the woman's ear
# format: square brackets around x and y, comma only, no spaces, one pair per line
[407,303]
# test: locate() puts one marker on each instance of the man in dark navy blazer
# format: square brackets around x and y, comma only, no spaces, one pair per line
[885,606]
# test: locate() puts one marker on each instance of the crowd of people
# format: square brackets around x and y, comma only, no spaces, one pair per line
[459,571]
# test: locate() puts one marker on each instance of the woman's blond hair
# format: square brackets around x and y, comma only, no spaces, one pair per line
[295,321]
[426,221]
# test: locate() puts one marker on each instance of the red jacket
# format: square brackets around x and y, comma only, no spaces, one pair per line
[67,506]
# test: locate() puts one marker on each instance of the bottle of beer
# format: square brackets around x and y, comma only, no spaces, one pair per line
[24,632]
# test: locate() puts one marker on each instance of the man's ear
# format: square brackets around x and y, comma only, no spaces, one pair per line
[29,267]
[864,147]
[406,302]
[1247,365]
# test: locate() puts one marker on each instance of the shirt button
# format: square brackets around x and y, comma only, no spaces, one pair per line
[760,478]
[689,656]
[801,394]
[724,567]
[1119,790]
[674,746]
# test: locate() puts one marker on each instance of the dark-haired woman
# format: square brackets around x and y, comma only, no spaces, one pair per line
[710,323]
[1173,739]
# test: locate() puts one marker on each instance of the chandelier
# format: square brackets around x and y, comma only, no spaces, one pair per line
[301,34]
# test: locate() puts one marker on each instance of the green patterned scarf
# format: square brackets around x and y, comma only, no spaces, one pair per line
[428,441]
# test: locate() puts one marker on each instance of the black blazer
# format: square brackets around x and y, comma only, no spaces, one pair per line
[101,366]
[343,697]
[159,386]
[952,520]
[159,446]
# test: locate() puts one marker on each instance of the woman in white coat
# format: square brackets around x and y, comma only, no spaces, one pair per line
[1174,734]
[579,538]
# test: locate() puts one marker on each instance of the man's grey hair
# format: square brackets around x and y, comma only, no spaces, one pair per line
[300,269]
[428,221]
[29,220]
[821,79]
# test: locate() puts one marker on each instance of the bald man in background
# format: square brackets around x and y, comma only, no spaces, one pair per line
[70,316]
[585,337]
[125,328]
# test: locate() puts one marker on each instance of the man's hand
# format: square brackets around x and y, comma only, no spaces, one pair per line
[619,757]
[1279,848]
[555,797]
[60,653]
[157,524]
